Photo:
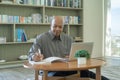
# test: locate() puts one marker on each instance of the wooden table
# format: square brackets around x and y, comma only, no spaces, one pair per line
[66,66]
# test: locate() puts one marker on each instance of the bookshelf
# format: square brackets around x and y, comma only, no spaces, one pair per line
[15,15]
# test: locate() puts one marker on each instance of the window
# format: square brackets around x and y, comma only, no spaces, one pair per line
[115,28]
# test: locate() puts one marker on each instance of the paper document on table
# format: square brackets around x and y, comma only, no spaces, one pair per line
[39,62]
[49,60]
[55,59]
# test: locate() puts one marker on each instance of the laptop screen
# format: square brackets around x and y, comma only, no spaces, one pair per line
[80,46]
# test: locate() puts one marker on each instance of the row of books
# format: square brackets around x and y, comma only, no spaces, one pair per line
[34,18]
[62,3]
[6,1]
[67,19]
[21,35]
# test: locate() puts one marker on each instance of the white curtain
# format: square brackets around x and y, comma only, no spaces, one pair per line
[107,27]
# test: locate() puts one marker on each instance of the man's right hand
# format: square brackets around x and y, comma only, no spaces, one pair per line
[37,57]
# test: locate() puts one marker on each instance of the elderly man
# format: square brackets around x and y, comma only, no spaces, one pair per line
[55,43]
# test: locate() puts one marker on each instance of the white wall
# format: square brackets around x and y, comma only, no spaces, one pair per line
[93,25]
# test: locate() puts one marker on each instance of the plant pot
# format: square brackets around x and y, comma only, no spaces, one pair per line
[81,60]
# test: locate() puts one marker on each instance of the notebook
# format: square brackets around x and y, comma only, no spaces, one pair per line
[80,46]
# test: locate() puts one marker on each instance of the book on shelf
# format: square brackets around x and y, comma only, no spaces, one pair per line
[21,35]
[49,60]
[24,37]
[18,35]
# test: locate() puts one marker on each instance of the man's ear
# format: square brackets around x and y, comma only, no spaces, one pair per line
[52,24]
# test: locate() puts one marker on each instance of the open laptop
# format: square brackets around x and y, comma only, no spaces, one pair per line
[80,46]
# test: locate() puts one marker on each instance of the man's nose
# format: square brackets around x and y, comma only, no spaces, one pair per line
[57,28]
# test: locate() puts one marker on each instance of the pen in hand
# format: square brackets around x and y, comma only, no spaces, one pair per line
[39,54]
[39,51]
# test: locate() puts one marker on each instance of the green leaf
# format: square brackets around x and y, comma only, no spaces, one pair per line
[82,53]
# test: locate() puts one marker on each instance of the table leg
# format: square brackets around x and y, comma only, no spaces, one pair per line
[36,74]
[98,73]
[45,75]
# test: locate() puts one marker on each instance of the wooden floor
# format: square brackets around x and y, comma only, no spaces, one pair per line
[20,73]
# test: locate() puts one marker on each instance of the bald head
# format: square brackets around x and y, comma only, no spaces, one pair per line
[57,20]
[57,25]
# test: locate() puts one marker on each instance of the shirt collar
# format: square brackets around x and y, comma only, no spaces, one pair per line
[52,36]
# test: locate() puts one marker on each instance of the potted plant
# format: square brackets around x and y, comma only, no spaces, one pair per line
[81,56]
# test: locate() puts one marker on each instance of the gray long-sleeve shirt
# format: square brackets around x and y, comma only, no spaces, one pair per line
[51,46]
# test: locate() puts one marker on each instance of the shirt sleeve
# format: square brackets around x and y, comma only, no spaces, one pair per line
[36,45]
